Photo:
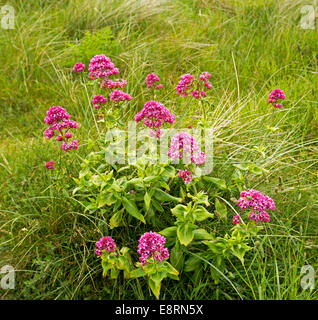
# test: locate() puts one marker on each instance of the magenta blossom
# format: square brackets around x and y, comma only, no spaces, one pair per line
[183,144]
[188,85]
[275,96]
[151,79]
[118,95]
[101,66]
[185,175]
[49,165]
[98,101]
[258,204]
[237,219]
[114,84]
[151,245]
[69,146]
[105,243]
[154,114]
[79,67]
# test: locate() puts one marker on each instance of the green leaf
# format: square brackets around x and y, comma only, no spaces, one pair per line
[155,287]
[176,256]
[241,166]
[220,209]
[219,183]
[114,273]
[132,209]
[192,264]
[164,196]
[170,269]
[185,233]
[201,214]
[169,232]
[137,273]
[106,266]
[202,234]
[257,170]
[116,219]
[179,211]
[169,172]
[106,199]
[147,199]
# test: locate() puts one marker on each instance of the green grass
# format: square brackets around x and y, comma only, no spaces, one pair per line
[250,47]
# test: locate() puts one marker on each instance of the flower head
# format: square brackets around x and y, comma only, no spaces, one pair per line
[101,66]
[49,165]
[154,114]
[106,243]
[151,79]
[275,96]
[69,146]
[114,84]
[183,144]
[185,84]
[79,67]
[258,204]
[151,244]
[56,114]
[237,219]
[118,95]
[185,175]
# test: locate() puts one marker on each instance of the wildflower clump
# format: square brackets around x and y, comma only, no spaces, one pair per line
[188,85]
[79,67]
[49,165]
[151,245]
[105,244]
[151,79]
[274,98]
[183,144]
[154,114]
[118,95]
[185,175]
[101,66]
[258,204]
[59,122]
[98,101]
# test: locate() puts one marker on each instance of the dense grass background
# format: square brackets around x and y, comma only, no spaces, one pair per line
[250,47]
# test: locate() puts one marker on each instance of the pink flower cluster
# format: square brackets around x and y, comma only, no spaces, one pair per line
[154,115]
[151,245]
[185,175]
[258,203]
[185,84]
[105,243]
[151,79]
[183,144]
[98,101]
[101,66]
[49,165]
[189,85]
[118,95]
[79,67]
[59,120]
[111,84]
[276,95]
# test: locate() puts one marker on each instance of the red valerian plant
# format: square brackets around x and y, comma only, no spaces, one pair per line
[275,96]
[189,85]
[59,122]
[154,114]
[258,203]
